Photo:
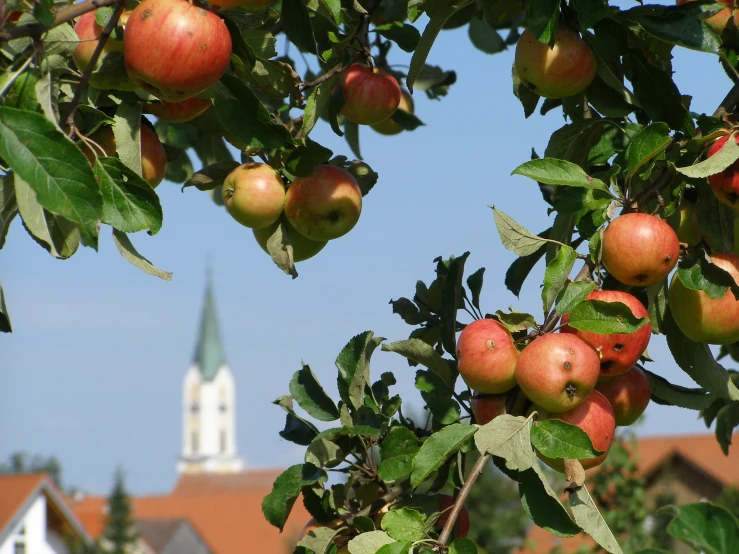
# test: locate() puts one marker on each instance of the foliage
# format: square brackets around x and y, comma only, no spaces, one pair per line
[19,462]
[729,499]
[120,533]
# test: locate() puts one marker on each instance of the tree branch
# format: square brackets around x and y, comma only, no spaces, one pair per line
[64,16]
[335,70]
[459,502]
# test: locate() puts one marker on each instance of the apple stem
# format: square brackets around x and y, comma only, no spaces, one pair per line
[446,532]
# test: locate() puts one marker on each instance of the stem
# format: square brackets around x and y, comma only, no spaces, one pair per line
[64,16]
[335,70]
[461,403]
[84,81]
[392,494]
[459,502]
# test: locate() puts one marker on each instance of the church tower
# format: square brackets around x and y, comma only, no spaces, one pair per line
[209,402]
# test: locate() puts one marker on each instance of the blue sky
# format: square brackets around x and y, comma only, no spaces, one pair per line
[93,371]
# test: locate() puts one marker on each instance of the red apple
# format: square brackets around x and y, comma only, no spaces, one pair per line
[619,351]
[246,5]
[324,205]
[557,371]
[594,416]
[628,394]
[564,70]
[174,49]
[370,95]
[702,318]
[254,195]
[718,21]
[640,249]
[446,502]
[179,112]
[487,407]
[725,185]
[389,127]
[486,357]
[303,248]
[153,155]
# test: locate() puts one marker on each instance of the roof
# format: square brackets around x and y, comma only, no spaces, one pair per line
[209,354]
[190,484]
[158,532]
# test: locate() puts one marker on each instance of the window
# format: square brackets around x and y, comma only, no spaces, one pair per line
[223,407]
[195,442]
[19,547]
[194,407]
[223,441]
[22,530]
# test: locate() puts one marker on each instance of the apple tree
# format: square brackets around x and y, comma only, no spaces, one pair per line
[103,99]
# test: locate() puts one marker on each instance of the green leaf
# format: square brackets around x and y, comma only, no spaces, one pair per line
[574,293]
[437,449]
[366,177]
[308,393]
[474,283]
[665,393]
[715,221]
[297,429]
[452,301]
[132,256]
[589,12]
[211,149]
[304,159]
[605,318]
[129,202]
[519,239]
[647,145]
[557,439]
[353,365]
[520,269]
[484,37]
[395,469]
[53,167]
[277,505]
[318,540]
[574,141]
[697,272]
[727,419]
[404,35]
[721,160]
[395,548]
[709,528]
[543,18]
[369,543]
[8,205]
[681,27]
[556,275]
[551,171]
[543,505]
[406,120]
[334,6]
[424,354]
[280,249]
[5,326]
[211,176]
[399,441]
[588,517]
[317,101]
[324,453]
[405,524]
[127,132]
[508,437]
[515,321]
[296,22]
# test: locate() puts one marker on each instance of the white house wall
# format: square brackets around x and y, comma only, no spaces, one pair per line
[36,536]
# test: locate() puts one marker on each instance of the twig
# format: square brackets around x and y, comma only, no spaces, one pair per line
[64,16]
[335,70]
[84,80]
[459,502]
[387,498]
[461,403]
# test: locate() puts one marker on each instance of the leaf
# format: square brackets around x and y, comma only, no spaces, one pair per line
[463,546]
[665,393]
[474,283]
[351,134]
[715,221]
[520,269]
[682,28]
[589,12]
[556,275]
[277,505]
[516,237]
[542,504]
[647,144]
[574,293]
[605,318]
[452,301]
[8,205]
[404,35]
[296,22]
[551,171]
[727,419]
[516,321]
[318,540]
[508,437]
[721,160]
[484,37]
[324,453]
[554,438]
[588,517]
[365,176]
[211,176]
[131,255]
[5,326]
[127,132]
[353,365]
[297,429]
[423,353]
[395,548]
[53,167]
[405,524]
[709,528]
[304,159]
[574,141]
[280,249]
[543,18]
[369,543]
[437,449]
[699,273]
[317,101]
[308,393]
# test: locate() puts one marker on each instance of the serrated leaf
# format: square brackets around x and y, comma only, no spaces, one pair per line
[318,540]
[516,237]
[557,439]
[369,543]
[542,19]
[211,176]
[296,22]
[574,293]
[127,250]
[423,353]
[542,504]
[588,517]
[308,393]
[556,275]
[665,393]
[551,171]
[353,365]
[437,449]
[698,273]
[127,132]
[317,101]
[395,548]
[721,160]
[5,326]
[280,248]
[682,28]
[515,321]
[646,145]
[277,505]
[404,35]
[605,318]
[574,141]
[709,528]
[404,524]
[508,437]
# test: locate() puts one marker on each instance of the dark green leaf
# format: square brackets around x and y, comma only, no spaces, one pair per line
[5,326]
[721,160]
[557,439]
[308,393]
[405,524]
[484,37]
[664,392]
[698,273]
[304,159]
[680,27]
[353,365]
[551,171]
[437,449]
[422,353]
[127,250]
[709,528]
[589,12]
[727,419]
[520,269]
[8,205]
[351,134]
[647,145]
[404,35]
[574,141]
[296,22]
[406,120]
[542,504]
[605,318]
[715,221]
[277,505]
[474,283]
[556,275]
[463,546]
[211,176]
[317,101]
[574,293]
[543,18]
[452,301]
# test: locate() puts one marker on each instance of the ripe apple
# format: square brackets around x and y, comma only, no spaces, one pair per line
[725,185]
[628,394]
[594,416]
[564,70]
[174,49]
[324,205]
[487,407]
[179,112]
[446,502]
[370,95]
[303,248]
[557,371]
[486,357]
[719,21]
[153,155]
[640,249]
[246,5]
[389,127]
[254,195]
[702,318]
[619,351]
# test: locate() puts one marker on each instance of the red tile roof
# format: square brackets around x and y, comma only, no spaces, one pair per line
[14,491]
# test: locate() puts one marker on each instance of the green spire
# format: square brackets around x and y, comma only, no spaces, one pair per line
[209,354]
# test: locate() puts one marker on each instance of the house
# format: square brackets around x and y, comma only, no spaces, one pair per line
[34,519]
[676,470]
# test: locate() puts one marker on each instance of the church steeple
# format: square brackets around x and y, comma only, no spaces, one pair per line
[209,354]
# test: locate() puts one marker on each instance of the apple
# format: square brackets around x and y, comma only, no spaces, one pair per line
[174,49]
[487,407]
[640,249]
[153,155]
[303,248]
[325,205]
[618,351]
[446,502]
[179,112]
[389,127]
[486,357]
[628,394]
[685,223]
[702,318]
[370,94]
[718,21]
[594,416]
[564,70]
[725,185]
[254,195]
[246,5]
[557,371]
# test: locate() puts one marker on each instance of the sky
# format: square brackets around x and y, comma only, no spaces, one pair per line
[93,370]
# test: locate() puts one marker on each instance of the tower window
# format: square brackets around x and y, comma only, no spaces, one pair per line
[223,441]
[194,407]
[19,548]
[195,442]
[223,407]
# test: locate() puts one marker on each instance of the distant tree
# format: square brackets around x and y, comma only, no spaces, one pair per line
[20,462]
[729,499]
[120,533]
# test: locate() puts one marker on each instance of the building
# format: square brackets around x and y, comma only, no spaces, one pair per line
[34,519]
